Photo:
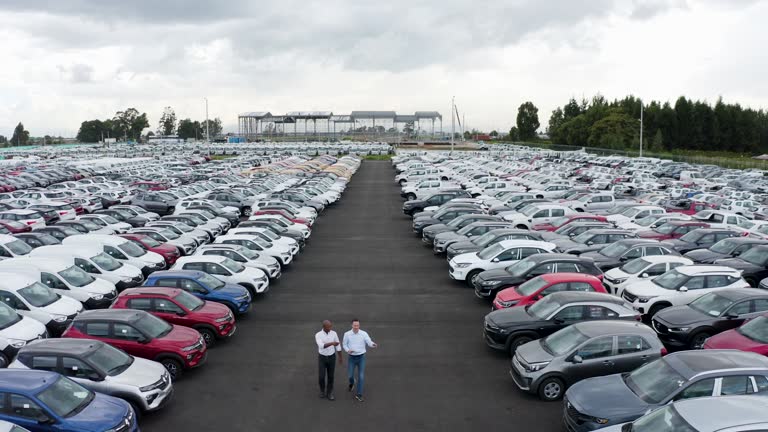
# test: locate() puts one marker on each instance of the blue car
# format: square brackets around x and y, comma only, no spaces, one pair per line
[204,286]
[43,401]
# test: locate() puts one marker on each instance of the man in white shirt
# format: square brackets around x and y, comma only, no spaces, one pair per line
[327,345]
[355,343]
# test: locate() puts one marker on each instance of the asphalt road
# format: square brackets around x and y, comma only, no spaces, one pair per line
[431,371]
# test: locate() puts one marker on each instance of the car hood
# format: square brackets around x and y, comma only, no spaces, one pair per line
[732,339]
[551,236]
[183,335]
[231,290]
[24,329]
[510,317]
[646,288]
[450,235]
[566,243]
[533,352]
[606,397]
[63,306]
[413,203]
[598,257]
[737,263]
[437,228]
[677,316]
[425,221]
[616,273]
[509,294]
[650,234]
[459,245]
[680,244]
[470,257]
[102,410]
[140,373]
[705,255]
[497,274]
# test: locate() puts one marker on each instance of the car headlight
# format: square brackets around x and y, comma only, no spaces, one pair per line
[58,318]
[619,280]
[17,343]
[222,319]
[98,296]
[490,282]
[126,279]
[189,348]
[600,420]
[533,367]
[644,299]
[680,329]
[462,265]
[509,303]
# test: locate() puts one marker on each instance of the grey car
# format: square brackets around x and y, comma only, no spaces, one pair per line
[547,367]
[233,199]
[603,401]
[473,230]
[98,366]
[156,202]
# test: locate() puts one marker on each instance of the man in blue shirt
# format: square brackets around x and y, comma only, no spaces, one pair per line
[355,343]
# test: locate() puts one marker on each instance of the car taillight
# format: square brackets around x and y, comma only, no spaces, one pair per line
[30,222]
[638,317]
[664,351]
[61,213]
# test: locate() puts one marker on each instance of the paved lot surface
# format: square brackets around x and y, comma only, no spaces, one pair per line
[431,372]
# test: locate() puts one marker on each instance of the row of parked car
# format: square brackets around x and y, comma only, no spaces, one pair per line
[101,311]
[631,309]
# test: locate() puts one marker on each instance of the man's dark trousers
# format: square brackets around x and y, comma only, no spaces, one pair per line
[326,366]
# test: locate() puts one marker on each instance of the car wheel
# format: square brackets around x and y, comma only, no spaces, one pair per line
[539,196]
[516,342]
[655,309]
[246,211]
[3,361]
[410,197]
[522,227]
[471,276]
[551,389]
[208,336]
[136,409]
[697,340]
[173,367]
[751,282]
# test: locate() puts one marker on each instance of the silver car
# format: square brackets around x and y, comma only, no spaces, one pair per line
[547,367]
[144,384]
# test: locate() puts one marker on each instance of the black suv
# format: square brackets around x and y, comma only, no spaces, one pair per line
[488,283]
[415,206]
[701,238]
[442,216]
[592,240]
[726,248]
[752,263]
[617,253]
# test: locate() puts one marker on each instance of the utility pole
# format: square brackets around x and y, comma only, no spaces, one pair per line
[207,131]
[453,126]
[641,128]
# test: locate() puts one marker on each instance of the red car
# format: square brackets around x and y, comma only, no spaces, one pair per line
[671,230]
[686,207]
[169,252]
[15,227]
[212,320]
[535,289]
[290,216]
[565,220]
[144,335]
[149,186]
[751,336]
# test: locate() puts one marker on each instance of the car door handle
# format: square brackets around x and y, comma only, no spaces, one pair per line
[608,362]
[645,357]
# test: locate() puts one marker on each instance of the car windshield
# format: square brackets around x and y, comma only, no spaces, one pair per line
[584,237]
[38,295]
[756,329]
[131,249]
[647,221]
[484,239]
[270,235]
[529,211]
[654,382]
[614,250]
[532,286]
[635,266]
[666,228]
[150,242]
[665,419]
[490,251]
[693,236]
[8,316]
[543,308]
[96,221]
[65,397]
[521,267]
[211,281]
[76,276]
[744,223]
[18,247]
[110,360]
[232,266]
[170,235]
[248,253]
[464,231]
[181,227]
[757,256]
[106,262]
[109,219]
[189,301]
[563,341]
[711,304]
[152,326]
[671,280]
[725,246]
[455,222]
[558,222]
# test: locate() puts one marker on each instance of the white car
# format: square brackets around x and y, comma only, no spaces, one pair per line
[12,247]
[65,278]
[30,298]
[466,266]
[93,260]
[635,213]
[32,218]
[16,331]
[638,269]
[207,218]
[268,236]
[138,211]
[226,270]
[65,210]
[182,205]
[244,256]
[281,253]
[680,286]
[182,230]
[552,191]
[724,219]
[121,249]
[285,223]
[107,221]
[535,214]
[652,221]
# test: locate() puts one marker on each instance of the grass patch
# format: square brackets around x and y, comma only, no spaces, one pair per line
[221,157]
[377,157]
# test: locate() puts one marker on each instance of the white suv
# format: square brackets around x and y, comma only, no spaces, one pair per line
[681,286]
[616,279]
[503,254]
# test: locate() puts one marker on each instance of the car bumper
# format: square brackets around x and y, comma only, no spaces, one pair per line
[55,329]
[492,339]
[133,283]
[457,273]
[229,329]
[103,303]
[197,360]
[162,399]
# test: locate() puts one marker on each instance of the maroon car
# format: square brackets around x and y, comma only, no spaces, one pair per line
[672,230]
[15,227]
[751,336]
[143,335]
[169,252]
[213,320]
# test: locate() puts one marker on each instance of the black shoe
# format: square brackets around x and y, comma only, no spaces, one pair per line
[359,397]
[331,397]
[322,395]
[351,386]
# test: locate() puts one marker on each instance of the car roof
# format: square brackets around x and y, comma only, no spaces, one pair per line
[742,293]
[26,381]
[525,243]
[565,297]
[656,259]
[558,257]
[711,414]
[195,274]
[125,315]
[609,327]
[202,258]
[609,231]
[569,277]
[692,363]
[747,240]
[160,291]
[66,251]
[73,346]
[703,269]
[20,211]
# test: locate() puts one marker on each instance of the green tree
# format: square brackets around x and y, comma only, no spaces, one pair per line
[189,129]
[467,135]
[657,143]
[494,133]
[216,127]
[556,120]
[528,121]
[3,140]
[514,134]
[167,122]
[92,131]
[129,123]
[20,136]
[616,131]
[572,109]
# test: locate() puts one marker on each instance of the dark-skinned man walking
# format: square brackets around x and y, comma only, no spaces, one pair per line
[328,349]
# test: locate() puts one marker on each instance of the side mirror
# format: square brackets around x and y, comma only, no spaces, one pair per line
[624,258]
[143,340]
[94,376]
[181,313]
[590,243]
[577,359]
[559,321]
[495,260]
[683,289]
[645,275]
[43,419]
[737,253]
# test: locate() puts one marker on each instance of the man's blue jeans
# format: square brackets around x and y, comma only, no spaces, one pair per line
[359,362]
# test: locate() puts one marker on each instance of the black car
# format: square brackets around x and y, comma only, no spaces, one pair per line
[592,240]
[690,325]
[82,226]
[488,283]
[124,216]
[429,233]
[232,218]
[726,248]
[444,215]
[514,207]
[415,206]
[617,253]
[447,206]
[37,239]
[507,329]
[573,229]
[752,263]
[701,238]
[490,238]
[49,213]
[58,231]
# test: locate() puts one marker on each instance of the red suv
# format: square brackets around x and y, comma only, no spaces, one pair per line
[673,229]
[212,320]
[535,289]
[169,252]
[142,335]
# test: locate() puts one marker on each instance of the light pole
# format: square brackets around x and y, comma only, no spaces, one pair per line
[207,128]
[641,128]
[453,126]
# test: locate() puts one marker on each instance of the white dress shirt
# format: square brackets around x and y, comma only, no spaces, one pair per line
[355,343]
[322,338]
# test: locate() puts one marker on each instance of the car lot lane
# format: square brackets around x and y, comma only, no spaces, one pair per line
[431,371]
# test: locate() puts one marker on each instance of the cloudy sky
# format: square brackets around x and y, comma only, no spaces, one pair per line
[65,61]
